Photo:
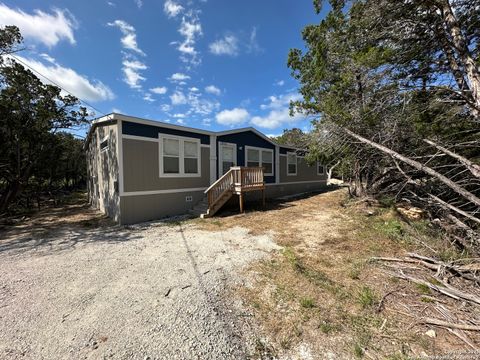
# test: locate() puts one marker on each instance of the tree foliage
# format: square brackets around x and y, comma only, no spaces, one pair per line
[35,154]
[392,83]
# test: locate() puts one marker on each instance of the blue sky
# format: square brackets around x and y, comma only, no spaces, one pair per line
[211,64]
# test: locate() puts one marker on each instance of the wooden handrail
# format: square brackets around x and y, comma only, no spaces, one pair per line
[236,179]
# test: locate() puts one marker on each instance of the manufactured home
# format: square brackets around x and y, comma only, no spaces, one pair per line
[140,170]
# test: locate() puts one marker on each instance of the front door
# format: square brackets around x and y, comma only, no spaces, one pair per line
[227,157]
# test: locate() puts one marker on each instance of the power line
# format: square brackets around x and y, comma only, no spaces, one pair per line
[56,84]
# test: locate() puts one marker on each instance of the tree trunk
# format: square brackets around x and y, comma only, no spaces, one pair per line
[464,54]
[330,170]
[419,166]
[473,168]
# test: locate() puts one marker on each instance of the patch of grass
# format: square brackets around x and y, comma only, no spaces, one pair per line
[358,351]
[387,201]
[451,253]
[367,297]
[307,303]
[423,289]
[393,229]
[356,270]
[426,299]
[292,258]
[327,327]
[217,223]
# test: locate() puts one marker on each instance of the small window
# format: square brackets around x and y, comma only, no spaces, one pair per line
[320,169]
[291,164]
[179,157]
[104,144]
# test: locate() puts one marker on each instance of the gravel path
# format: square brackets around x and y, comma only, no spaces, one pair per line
[147,292]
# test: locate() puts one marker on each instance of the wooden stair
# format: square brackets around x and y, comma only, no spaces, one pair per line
[237,180]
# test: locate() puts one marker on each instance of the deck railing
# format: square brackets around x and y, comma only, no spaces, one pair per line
[236,180]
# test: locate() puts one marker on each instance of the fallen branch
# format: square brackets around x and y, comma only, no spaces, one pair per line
[438,322]
[447,290]
[418,166]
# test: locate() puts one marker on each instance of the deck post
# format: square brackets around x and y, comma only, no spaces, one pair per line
[241,201]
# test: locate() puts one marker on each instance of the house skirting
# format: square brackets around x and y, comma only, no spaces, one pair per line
[148,206]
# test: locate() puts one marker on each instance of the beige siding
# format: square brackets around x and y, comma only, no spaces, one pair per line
[141,169]
[140,208]
[103,170]
[304,171]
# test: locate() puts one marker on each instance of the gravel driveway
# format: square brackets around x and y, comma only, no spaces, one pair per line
[148,292]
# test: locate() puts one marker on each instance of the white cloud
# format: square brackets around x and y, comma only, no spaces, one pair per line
[112,4]
[165,107]
[179,77]
[279,114]
[194,89]
[253,46]
[277,102]
[131,70]
[275,119]
[207,122]
[178,98]
[190,29]
[148,97]
[139,3]
[226,46]
[172,9]
[70,80]
[180,122]
[179,116]
[129,39]
[160,90]
[47,28]
[232,117]
[212,89]
[279,83]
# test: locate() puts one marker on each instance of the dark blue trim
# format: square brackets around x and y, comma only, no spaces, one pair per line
[284,150]
[247,138]
[132,128]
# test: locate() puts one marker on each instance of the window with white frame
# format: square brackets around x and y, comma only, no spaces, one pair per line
[179,157]
[320,169]
[291,163]
[258,157]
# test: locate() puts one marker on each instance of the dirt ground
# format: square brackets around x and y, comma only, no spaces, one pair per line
[291,281]
[323,298]
[73,286]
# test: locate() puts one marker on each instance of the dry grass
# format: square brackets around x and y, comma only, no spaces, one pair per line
[322,290]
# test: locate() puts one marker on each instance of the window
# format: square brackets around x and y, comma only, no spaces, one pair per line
[267,161]
[320,169]
[179,157]
[228,156]
[291,164]
[190,157]
[104,144]
[258,157]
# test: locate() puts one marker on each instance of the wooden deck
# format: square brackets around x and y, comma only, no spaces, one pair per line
[236,181]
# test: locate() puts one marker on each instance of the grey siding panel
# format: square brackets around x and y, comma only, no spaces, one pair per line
[304,171]
[141,169]
[141,208]
[103,171]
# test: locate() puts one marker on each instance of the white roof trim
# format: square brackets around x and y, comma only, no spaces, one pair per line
[235,131]
[116,116]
